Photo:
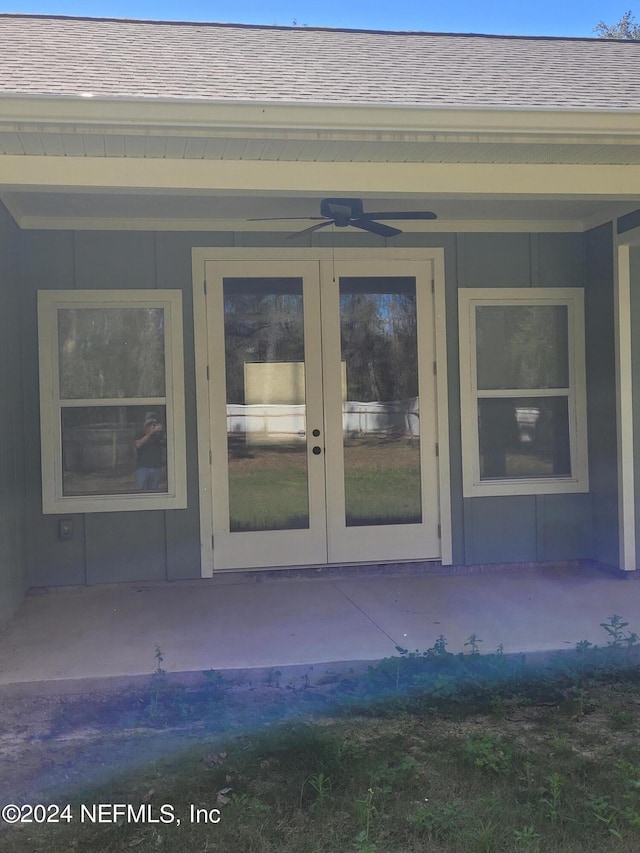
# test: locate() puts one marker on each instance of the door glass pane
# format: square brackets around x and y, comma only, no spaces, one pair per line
[114,450]
[266,404]
[524,437]
[381,407]
[522,346]
[111,352]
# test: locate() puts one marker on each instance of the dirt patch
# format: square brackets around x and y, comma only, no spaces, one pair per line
[54,743]
[51,744]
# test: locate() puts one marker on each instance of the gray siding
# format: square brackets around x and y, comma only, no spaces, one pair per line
[526,528]
[12,476]
[108,547]
[601,395]
[113,547]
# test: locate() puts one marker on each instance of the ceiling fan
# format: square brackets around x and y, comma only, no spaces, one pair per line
[342,212]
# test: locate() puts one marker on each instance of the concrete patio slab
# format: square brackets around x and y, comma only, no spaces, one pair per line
[230,624]
[107,631]
[524,610]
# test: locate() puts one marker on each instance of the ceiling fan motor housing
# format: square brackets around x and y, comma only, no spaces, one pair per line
[341,210]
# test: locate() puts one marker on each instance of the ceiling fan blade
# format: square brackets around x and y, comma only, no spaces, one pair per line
[407,215]
[311,229]
[375,227]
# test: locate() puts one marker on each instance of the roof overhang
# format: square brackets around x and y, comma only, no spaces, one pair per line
[530,169]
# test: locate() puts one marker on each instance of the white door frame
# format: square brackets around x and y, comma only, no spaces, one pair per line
[262,548]
[200,257]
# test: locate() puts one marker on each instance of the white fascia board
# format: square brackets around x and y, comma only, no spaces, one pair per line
[186,116]
[20,172]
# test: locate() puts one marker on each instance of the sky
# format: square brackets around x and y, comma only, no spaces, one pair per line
[505,17]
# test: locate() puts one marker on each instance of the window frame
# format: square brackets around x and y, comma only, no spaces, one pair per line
[573,299]
[53,499]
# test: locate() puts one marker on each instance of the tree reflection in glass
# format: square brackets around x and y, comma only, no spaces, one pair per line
[111,352]
[381,407]
[107,355]
[522,348]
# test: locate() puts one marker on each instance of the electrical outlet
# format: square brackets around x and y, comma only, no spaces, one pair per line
[65,529]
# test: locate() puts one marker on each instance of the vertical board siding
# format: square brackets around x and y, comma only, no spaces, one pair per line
[559,260]
[114,260]
[157,545]
[500,530]
[13,580]
[106,547]
[125,546]
[173,254]
[564,527]
[527,528]
[494,260]
[109,547]
[46,263]
[601,394]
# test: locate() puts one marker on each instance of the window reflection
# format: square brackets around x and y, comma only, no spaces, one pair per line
[522,346]
[381,406]
[99,453]
[524,437]
[111,352]
[266,404]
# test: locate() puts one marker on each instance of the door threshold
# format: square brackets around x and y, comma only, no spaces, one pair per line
[398,569]
[328,571]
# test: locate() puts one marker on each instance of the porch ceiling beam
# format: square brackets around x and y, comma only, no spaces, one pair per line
[248,177]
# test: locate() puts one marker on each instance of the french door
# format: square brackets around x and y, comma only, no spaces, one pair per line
[322,410]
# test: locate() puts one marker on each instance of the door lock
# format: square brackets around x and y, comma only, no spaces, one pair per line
[316,450]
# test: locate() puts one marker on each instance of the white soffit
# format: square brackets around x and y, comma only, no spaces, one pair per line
[213,178]
[401,149]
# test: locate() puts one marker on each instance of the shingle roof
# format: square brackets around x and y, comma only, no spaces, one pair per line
[218,62]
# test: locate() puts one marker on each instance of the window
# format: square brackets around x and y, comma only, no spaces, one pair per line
[522,385]
[111,400]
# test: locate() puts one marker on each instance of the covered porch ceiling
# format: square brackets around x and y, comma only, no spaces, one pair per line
[91,165]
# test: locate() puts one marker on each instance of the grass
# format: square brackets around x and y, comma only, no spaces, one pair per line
[539,780]
[268,500]
[428,751]
[268,486]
